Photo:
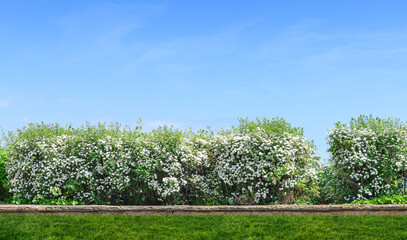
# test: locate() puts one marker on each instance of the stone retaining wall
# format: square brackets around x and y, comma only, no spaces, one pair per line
[399,209]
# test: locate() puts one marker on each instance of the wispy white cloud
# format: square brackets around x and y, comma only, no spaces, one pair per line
[100,31]
[4,103]
[311,36]
[186,53]
[309,48]
[8,100]
[25,120]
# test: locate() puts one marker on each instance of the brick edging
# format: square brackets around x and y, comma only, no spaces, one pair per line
[397,209]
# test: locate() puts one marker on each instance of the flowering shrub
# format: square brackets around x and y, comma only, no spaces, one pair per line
[178,161]
[258,162]
[262,162]
[368,159]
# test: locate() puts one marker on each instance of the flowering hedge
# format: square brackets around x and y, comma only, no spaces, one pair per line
[368,159]
[262,161]
[258,162]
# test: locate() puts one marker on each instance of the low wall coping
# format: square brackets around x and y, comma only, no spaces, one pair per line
[400,209]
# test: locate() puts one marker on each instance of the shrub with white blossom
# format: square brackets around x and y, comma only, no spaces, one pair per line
[179,164]
[258,162]
[367,157]
[99,164]
[89,164]
[263,162]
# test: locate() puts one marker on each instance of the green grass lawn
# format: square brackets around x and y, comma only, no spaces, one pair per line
[202,227]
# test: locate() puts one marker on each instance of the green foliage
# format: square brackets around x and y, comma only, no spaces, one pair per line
[375,124]
[274,126]
[39,131]
[3,174]
[397,199]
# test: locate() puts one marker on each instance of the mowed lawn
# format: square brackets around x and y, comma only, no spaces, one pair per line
[202,227]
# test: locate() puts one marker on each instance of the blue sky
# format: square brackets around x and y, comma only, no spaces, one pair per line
[200,63]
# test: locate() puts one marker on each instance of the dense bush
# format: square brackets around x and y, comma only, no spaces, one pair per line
[104,164]
[262,161]
[367,159]
[3,179]
[178,163]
